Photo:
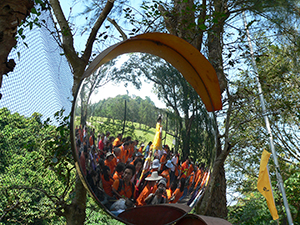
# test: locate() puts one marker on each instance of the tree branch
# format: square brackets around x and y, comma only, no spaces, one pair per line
[67,36]
[118,28]
[9,209]
[51,197]
[89,44]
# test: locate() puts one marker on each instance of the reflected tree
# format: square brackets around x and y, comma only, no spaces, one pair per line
[171,87]
[91,85]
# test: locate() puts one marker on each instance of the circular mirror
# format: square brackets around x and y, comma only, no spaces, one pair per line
[154,168]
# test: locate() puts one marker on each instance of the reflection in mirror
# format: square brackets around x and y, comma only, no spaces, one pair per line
[133,154]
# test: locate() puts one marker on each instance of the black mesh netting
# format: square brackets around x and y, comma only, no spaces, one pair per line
[42,80]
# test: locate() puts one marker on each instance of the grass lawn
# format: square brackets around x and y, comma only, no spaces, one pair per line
[145,134]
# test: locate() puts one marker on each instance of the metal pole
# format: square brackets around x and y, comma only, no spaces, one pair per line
[125,109]
[262,102]
[166,130]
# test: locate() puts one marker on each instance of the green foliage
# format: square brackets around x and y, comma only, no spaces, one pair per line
[114,126]
[34,186]
[96,215]
[137,109]
[278,74]
[292,189]
[251,209]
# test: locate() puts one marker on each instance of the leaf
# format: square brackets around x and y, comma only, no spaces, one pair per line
[202,27]
[20,31]
[33,10]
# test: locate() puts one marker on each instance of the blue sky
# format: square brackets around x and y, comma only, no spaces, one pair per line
[109,90]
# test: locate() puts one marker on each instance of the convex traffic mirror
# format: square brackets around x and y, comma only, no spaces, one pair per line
[148,183]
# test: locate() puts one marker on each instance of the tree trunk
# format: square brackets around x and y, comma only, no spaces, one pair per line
[218,206]
[83,115]
[177,23]
[75,212]
[214,201]
[12,13]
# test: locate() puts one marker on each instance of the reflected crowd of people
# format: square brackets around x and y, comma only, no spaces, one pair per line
[122,173]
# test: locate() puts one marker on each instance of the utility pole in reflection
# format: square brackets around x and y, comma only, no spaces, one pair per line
[124,118]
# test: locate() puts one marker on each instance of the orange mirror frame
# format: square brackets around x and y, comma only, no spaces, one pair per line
[195,68]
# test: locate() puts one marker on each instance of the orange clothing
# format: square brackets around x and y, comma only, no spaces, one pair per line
[169,193]
[132,162]
[141,149]
[184,169]
[80,134]
[177,193]
[127,155]
[107,185]
[112,164]
[144,194]
[204,178]
[116,161]
[190,170]
[198,176]
[126,190]
[166,175]
[117,158]
[123,153]
[131,152]
[91,141]
[163,161]
[117,142]
[117,176]
[191,180]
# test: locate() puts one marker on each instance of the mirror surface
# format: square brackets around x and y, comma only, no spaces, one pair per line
[133,155]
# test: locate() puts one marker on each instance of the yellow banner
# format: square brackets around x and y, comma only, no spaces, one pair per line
[264,184]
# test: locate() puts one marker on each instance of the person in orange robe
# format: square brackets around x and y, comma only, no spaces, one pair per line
[130,153]
[191,180]
[149,188]
[190,170]
[119,171]
[110,162]
[118,141]
[198,179]
[127,189]
[80,132]
[178,192]
[166,173]
[141,148]
[117,153]
[184,168]
[138,170]
[163,160]
[91,138]
[124,148]
[171,189]
[138,155]
[107,181]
